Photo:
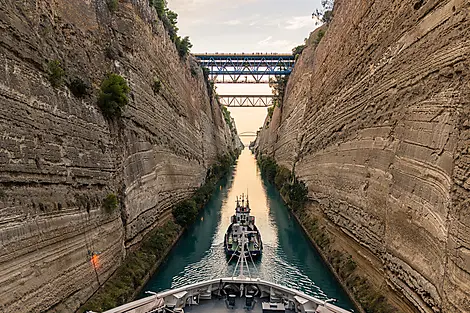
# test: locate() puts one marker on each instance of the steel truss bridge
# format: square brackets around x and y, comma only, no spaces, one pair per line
[246,69]
[247,134]
[235,101]
[238,67]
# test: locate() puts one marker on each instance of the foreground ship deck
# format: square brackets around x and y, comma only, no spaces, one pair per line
[220,306]
[233,294]
[218,295]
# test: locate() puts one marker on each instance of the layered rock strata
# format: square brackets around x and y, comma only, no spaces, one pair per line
[376,121]
[59,157]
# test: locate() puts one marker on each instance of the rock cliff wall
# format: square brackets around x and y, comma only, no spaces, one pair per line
[59,158]
[376,121]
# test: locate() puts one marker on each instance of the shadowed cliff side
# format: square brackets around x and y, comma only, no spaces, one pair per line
[376,122]
[60,158]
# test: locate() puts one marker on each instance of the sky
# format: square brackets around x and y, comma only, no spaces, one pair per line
[245,26]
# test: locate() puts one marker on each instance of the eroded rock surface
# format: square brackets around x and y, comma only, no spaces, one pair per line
[59,158]
[376,121]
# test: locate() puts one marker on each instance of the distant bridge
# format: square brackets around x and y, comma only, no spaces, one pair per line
[240,101]
[247,134]
[239,67]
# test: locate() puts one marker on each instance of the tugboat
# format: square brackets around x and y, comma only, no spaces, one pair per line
[243,225]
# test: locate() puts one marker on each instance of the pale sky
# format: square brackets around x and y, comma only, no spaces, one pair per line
[245,26]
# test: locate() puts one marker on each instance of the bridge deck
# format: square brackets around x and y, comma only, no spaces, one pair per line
[258,55]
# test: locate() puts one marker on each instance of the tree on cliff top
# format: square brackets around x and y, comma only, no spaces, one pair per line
[170,20]
[325,15]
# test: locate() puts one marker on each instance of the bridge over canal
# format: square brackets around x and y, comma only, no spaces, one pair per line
[246,68]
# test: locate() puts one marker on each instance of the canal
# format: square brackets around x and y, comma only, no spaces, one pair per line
[288,256]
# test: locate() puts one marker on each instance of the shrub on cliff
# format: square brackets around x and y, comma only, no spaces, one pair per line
[298,51]
[320,35]
[157,85]
[113,5]
[268,168]
[278,86]
[227,116]
[271,111]
[55,73]
[159,6]
[169,19]
[110,203]
[293,190]
[113,95]
[120,288]
[282,177]
[183,46]
[78,87]
[185,212]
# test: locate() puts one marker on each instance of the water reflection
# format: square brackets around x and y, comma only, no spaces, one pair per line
[288,257]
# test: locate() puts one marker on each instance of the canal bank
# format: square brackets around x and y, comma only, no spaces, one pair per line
[288,257]
[140,264]
[341,262]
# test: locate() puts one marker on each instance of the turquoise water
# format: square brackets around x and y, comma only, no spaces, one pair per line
[288,256]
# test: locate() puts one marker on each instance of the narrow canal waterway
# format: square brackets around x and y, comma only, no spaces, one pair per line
[288,256]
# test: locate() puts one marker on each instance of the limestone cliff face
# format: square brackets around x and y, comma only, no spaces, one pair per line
[376,121]
[59,157]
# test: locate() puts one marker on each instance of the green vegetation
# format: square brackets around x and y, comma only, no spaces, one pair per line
[270,115]
[113,5]
[157,85]
[183,46]
[160,7]
[294,193]
[113,95]
[187,210]
[325,15]
[278,85]
[319,37]
[227,117]
[131,275]
[210,84]
[205,73]
[110,203]
[298,50]
[271,111]
[371,300]
[194,69]
[56,73]
[170,20]
[120,288]
[78,87]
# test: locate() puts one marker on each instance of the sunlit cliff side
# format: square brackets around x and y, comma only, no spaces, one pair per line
[60,158]
[376,122]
